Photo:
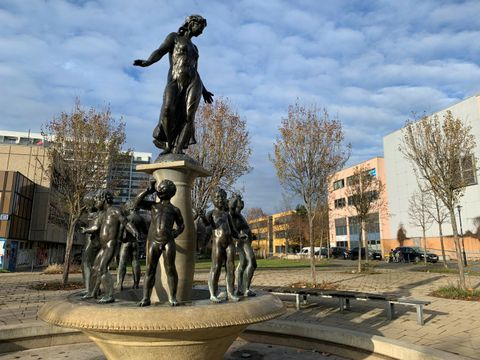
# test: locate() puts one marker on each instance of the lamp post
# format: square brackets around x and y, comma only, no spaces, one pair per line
[459,207]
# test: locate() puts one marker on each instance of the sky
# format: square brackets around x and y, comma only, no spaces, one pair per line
[372,64]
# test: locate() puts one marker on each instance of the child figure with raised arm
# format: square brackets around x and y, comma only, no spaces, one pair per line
[161,237]
[223,248]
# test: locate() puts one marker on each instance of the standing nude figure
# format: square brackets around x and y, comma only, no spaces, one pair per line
[161,237]
[130,247]
[223,248]
[92,247]
[108,224]
[247,262]
[175,130]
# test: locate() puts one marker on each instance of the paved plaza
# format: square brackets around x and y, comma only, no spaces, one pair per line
[450,325]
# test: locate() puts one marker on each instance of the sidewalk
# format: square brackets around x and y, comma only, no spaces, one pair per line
[450,325]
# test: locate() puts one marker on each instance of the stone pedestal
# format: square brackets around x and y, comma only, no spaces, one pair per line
[182,170]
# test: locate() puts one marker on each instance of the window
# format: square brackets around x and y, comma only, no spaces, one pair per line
[338,184]
[261,236]
[340,203]
[468,170]
[281,234]
[283,220]
[352,180]
[341,226]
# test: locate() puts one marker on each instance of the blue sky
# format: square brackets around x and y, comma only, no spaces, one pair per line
[370,63]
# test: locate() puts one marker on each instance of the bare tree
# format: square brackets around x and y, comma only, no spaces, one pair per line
[83,146]
[441,151]
[439,214]
[308,151]
[420,216]
[223,148]
[364,192]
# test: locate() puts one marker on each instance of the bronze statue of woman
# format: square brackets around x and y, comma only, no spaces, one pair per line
[175,130]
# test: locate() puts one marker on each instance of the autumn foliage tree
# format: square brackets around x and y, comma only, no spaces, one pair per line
[83,145]
[441,150]
[310,148]
[223,148]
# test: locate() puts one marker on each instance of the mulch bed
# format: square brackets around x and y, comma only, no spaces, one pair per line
[465,298]
[324,285]
[56,285]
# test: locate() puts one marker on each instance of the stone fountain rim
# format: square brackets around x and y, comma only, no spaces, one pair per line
[86,316]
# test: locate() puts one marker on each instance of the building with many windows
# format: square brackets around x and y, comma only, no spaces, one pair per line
[126,182]
[343,225]
[27,235]
[275,234]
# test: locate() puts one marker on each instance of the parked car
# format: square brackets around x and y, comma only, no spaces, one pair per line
[372,254]
[338,252]
[415,254]
[317,251]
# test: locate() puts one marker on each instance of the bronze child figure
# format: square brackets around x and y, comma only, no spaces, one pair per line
[161,237]
[247,262]
[175,130]
[130,247]
[108,224]
[223,248]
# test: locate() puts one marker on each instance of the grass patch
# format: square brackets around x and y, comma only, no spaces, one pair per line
[442,270]
[58,269]
[272,263]
[456,293]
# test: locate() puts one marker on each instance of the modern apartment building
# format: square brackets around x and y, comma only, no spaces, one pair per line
[126,181]
[343,225]
[402,183]
[275,234]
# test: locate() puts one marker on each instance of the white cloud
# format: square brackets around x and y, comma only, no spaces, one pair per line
[370,63]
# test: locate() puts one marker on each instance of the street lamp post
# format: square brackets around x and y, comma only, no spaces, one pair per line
[459,207]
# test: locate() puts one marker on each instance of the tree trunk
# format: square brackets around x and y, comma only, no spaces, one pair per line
[360,246]
[365,241]
[442,245]
[458,251]
[68,248]
[424,247]
[312,249]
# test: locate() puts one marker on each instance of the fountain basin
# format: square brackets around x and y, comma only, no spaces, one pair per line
[196,330]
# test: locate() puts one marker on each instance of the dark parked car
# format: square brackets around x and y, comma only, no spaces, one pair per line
[372,254]
[339,252]
[415,254]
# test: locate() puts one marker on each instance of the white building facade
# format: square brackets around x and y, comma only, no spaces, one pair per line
[402,182]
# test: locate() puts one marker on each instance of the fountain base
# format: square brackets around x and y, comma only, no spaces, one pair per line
[196,330]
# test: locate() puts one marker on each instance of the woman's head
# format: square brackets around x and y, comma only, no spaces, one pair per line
[193,24]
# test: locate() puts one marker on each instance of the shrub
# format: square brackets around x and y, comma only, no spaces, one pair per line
[455,292]
[58,269]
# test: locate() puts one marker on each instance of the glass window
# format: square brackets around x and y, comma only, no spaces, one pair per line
[339,184]
[339,203]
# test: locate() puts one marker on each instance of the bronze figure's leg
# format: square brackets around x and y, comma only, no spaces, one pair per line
[105,276]
[230,276]
[250,269]
[122,264]
[154,253]
[218,258]
[242,264]
[135,265]
[171,270]
[192,100]
[95,278]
